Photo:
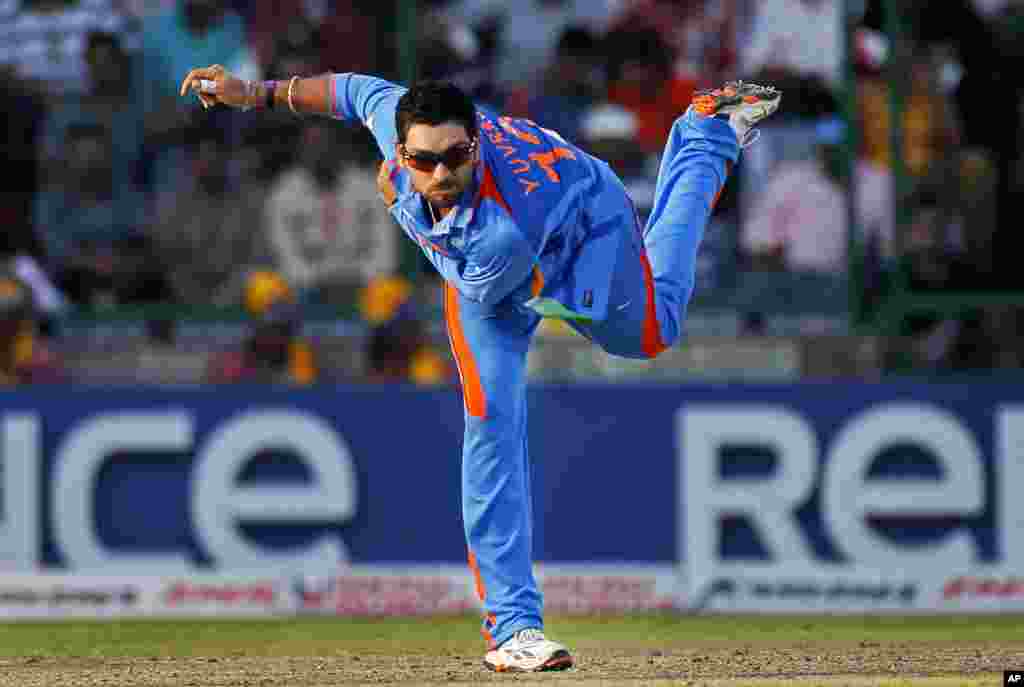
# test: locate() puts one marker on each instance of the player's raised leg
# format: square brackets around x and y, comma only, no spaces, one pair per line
[651,290]
[490,344]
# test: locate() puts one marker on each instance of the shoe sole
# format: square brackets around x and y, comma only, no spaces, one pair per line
[719,101]
[560,660]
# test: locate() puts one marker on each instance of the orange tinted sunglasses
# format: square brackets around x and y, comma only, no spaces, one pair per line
[453,158]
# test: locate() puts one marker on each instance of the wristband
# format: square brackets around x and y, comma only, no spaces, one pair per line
[271,86]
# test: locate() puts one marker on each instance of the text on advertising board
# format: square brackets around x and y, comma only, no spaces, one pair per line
[219,504]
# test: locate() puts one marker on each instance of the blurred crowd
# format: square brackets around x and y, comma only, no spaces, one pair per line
[123,197]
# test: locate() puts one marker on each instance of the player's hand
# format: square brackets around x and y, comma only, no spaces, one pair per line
[385,185]
[215,84]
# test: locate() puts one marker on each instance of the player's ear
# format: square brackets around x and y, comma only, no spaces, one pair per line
[398,155]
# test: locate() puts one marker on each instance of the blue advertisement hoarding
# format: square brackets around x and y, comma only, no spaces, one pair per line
[734,485]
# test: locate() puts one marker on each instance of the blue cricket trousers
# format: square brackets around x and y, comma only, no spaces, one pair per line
[650,291]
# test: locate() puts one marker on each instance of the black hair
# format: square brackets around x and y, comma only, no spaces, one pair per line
[434,103]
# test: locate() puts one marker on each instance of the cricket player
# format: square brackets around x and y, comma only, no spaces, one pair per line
[522,224]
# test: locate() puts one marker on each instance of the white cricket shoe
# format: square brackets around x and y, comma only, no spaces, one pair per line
[528,651]
[744,104]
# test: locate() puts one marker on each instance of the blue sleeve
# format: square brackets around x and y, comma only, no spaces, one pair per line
[494,265]
[371,101]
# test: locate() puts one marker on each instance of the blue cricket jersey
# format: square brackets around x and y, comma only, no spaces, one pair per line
[529,226]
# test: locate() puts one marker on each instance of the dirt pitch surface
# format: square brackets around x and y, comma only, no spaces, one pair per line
[834,664]
[423,652]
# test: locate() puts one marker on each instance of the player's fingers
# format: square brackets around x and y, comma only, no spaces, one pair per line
[191,81]
[196,75]
[186,83]
[205,90]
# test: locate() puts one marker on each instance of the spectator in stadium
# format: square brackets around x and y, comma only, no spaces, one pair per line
[976,189]
[641,79]
[329,247]
[205,27]
[209,229]
[41,41]
[109,100]
[928,255]
[274,352]
[528,31]
[799,220]
[24,356]
[700,33]
[399,348]
[797,44]
[933,259]
[948,245]
[571,84]
[931,129]
[343,33]
[942,254]
[974,64]
[610,133]
[84,220]
[449,49]
[271,143]
[796,38]
[174,37]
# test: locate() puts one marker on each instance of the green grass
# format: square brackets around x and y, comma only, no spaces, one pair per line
[325,636]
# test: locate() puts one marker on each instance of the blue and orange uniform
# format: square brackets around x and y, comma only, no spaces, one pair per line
[544,230]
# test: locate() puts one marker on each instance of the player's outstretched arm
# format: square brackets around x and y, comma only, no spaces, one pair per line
[215,84]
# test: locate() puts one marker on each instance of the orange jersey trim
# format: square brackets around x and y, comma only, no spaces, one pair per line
[537,283]
[469,373]
[489,189]
[652,342]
